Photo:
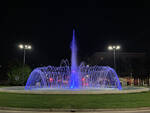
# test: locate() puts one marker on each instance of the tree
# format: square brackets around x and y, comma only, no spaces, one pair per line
[18,75]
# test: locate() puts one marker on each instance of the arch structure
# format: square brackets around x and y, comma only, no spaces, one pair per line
[59,77]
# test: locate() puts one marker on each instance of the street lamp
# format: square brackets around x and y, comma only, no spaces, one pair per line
[114,48]
[24,47]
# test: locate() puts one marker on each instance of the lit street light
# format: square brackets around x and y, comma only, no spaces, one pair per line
[114,48]
[24,47]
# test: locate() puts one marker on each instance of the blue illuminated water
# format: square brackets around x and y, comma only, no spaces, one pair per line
[72,76]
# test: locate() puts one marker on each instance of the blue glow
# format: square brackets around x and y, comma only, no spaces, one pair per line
[73,77]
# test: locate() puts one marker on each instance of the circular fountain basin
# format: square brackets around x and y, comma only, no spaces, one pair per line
[20,89]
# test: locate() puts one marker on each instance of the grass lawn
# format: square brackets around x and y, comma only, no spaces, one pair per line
[75,101]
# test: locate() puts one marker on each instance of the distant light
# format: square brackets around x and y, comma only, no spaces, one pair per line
[87,84]
[58,80]
[83,79]
[26,46]
[51,79]
[21,46]
[114,47]
[118,47]
[110,48]
[29,47]
[87,76]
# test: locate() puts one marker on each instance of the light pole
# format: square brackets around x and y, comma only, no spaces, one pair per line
[24,47]
[114,48]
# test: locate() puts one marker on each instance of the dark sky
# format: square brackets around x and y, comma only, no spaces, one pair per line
[47,26]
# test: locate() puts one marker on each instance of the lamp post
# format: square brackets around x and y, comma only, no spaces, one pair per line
[114,48]
[24,47]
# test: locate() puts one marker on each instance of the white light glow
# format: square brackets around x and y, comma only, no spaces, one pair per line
[21,46]
[114,47]
[118,47]
[26,46]
[110,48]
[29,47]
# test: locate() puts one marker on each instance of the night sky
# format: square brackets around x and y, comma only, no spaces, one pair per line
[48,26]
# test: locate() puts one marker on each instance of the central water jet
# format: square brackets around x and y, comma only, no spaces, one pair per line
[74,78]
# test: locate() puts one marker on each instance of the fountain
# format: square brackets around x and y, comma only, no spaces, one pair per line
[73,77]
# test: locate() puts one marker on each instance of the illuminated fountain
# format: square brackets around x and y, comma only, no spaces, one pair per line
[67,77]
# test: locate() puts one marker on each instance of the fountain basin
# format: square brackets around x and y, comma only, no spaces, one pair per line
[20,89]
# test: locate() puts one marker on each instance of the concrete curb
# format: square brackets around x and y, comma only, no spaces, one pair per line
[20,91]
[73,110]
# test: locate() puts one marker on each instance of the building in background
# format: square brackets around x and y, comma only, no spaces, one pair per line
[127,63]
[132,67]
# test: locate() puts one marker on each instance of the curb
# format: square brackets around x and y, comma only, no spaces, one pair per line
[13,90]
[73,110]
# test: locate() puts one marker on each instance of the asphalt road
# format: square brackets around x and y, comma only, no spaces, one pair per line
[135,111]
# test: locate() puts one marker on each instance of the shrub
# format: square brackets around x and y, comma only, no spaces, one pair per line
[18,75]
